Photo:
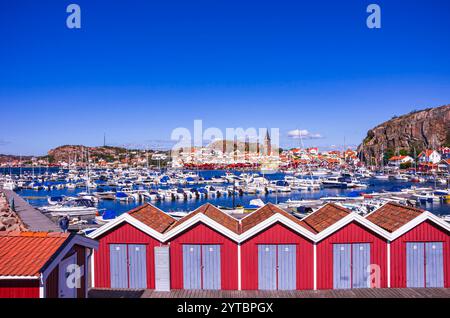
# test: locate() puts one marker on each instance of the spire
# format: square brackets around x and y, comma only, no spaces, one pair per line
[268,143]
[267,138]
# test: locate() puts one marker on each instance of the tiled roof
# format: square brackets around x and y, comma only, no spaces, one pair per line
[25,254]
[392,216]
[395,158]
[215,214]
[426,153]
[152,217]
[325,216]
[266,212]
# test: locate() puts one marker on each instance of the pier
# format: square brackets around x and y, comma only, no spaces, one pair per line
[33,219]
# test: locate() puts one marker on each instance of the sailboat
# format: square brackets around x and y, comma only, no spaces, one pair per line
[381,175]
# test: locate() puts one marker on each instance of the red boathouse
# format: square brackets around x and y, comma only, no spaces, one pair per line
[270,249]
[277,251]
[348,249]
[44,265]
[419,248]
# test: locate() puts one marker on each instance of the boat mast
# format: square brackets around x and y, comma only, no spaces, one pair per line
[88,172]
[415,161]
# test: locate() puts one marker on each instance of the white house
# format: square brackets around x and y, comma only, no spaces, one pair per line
[429,156]
[396,161]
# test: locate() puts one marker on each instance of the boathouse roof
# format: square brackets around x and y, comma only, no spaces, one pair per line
[266,212]
[30,254]
[213,213]
[391,216]
[153,217]
[25,253]
[325,217]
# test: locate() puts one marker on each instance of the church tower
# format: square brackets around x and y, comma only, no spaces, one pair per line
[268,144]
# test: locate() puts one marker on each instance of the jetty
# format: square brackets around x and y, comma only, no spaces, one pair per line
[33,219]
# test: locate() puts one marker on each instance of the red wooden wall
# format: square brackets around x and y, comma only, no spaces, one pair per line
[123,234]
[351,233]
[52,282]
[277,234]
[424,232]
[19,288]
[202,234]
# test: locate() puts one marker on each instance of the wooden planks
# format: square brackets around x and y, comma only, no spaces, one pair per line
[33,219]
[351,293]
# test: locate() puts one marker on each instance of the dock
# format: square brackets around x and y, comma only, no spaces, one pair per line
[33,219]
[349,293]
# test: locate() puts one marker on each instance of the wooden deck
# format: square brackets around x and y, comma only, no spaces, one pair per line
[34,220]
[354,293]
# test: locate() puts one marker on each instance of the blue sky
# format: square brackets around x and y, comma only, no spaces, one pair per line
[138,69]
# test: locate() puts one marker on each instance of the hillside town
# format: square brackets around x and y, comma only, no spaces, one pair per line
[242,156]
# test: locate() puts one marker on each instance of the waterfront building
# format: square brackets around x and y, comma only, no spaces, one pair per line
[38,265]
[429,156]
[270,249]
[396,161]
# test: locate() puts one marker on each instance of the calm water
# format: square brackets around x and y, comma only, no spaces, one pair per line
[40,197]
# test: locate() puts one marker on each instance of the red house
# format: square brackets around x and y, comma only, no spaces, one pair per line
[348,249]
[276,251]
[44,265]
[419,246]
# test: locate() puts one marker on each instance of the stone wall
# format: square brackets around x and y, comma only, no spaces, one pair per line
[9,220]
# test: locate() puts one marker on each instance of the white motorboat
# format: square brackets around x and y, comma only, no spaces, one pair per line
[78,207]
[381,176]
[177,215]
[297,203]
[9,185]
[334,182]
[401,177]
[426,197]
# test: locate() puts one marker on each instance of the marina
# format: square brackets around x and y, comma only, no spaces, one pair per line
[91,198]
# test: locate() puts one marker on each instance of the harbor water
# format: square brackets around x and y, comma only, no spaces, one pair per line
[39,198]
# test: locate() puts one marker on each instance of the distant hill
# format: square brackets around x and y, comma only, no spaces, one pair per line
[9,158]
[418,130]
[72,152]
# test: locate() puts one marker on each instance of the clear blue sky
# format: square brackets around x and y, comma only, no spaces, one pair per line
[140,68]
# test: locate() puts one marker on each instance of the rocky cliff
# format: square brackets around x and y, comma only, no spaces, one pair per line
[418,130]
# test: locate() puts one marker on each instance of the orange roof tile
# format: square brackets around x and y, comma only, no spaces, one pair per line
[326,216]
[392,216]
[215,214]
[266,212]
[25,254]
[426,153]
[396,158]
[152,217]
